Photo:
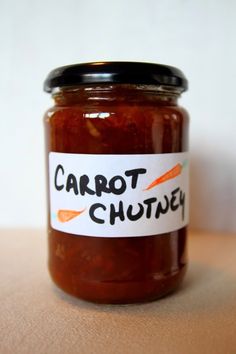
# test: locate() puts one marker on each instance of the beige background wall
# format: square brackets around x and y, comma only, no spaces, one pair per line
[196,36]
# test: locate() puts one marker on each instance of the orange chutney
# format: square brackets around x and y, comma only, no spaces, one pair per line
[115,108]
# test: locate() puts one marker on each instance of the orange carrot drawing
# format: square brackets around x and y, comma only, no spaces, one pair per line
[67,215]
[174,172]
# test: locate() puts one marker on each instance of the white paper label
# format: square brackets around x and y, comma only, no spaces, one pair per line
[118,195]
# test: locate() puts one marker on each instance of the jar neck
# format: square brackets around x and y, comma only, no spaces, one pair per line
[107,93]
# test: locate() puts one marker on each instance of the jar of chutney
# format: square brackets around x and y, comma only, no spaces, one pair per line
[117,157]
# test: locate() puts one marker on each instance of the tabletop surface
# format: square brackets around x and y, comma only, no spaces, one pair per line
[36,317]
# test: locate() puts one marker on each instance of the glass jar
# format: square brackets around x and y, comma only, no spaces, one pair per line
[117,143]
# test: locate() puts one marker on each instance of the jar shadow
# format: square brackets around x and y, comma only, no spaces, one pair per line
[212,196]
[203,287]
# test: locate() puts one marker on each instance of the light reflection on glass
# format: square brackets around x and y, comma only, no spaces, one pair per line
[101,115]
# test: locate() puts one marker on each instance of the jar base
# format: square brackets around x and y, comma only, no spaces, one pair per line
[125,292]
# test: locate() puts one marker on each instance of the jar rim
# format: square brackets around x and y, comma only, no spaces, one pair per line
[115,72]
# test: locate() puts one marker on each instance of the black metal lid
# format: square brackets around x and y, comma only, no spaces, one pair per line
[115,72]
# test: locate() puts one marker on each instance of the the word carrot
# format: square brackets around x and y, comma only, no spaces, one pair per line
[67,215]
[174,172]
